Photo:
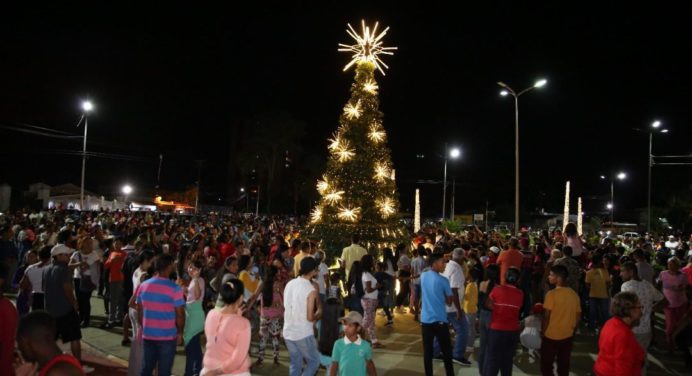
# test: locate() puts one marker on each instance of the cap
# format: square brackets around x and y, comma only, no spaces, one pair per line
[60,249]
[352,317]
[537,308]
[495,249]
[307,264]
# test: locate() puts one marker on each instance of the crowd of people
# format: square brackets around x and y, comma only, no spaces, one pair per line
[213,284]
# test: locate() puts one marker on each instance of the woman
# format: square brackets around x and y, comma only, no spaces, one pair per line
[619,352]
[674,284]
[194,319]
[492,279]
[226,273]
[86,264]
[573,240]
[355,288]
[329,330]
[24,296]
[369,299]
[271,312]
[228,334]
[597,281]
[135,360]
[404,279]
[505,301]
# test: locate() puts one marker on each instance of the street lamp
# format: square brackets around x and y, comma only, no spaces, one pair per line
[655,127]
[611,204]
[247,200]
[127,189]
[454,154]
[87,107]
[505,92]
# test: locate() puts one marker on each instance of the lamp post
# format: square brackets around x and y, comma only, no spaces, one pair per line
[611,204]
[509,91]
[454,154]
[127,189]
[655,127]
[87,107]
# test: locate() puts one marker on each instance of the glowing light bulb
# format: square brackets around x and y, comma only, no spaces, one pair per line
[351,111]
[368,47]
[381,172]
[370,86]
[386,207]
[334,196]
[376,133]
[348,214]
[316,214]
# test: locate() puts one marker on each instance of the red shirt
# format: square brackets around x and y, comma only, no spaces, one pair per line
[620,354]
[9,329]
[507,301]
[507,259]
[114,264]
[225,250]
[688,270]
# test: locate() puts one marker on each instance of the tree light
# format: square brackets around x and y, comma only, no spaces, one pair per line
[455,153]
[316,214]
[368,46]
[351,111]
[334,196]
[381,172]
[127,189]
[348,214]
[540,83]
[386,206]
[370,86]
[87,106]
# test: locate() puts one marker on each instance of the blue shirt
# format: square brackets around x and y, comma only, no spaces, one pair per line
[434,290]
[159,298]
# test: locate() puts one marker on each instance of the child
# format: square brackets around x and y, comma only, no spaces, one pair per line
[384,298]
[194,319]
[471,305]
[531,335]
[352,355]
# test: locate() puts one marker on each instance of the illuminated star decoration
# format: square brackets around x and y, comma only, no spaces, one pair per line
[334,196]
[344,151]
[386,206]
[381,172]
[370,86]
[348,214]
[376,133]
[316,214]
[351,111]
[322,185]
[334,143]
[368,46]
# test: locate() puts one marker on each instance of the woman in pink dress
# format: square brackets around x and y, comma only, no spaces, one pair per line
[674,286]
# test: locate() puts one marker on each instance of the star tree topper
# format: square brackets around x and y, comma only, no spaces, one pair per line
[368,46]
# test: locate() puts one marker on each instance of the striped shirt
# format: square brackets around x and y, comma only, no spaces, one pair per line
[159,297]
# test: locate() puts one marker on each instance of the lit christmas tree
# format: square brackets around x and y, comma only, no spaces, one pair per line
[358,191]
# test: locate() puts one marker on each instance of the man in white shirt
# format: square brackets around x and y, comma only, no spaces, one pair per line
[33,278]
[417,267]
[352,253]
[454,272]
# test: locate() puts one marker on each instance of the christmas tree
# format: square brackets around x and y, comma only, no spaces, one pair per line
[358,190]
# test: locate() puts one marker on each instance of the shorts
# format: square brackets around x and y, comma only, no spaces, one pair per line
[68,327]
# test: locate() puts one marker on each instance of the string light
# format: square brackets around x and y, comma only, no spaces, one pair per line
[322,185]
[416,215]
[386,206]
[565,215]
[370,86]
[580,215]
[316,214]
[344,151]
[348,214]
[367,48]
[351,111]
[381,172]
[334,196]
[334,142]
[376,133]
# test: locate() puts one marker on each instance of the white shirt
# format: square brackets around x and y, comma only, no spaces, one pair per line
[34,273]
[322,274]
[367,277]
[417,266]
[648,296]
[455,274]
[92,265]
[137,278]
[296,324]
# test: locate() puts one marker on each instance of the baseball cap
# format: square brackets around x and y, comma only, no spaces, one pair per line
[352,317]
[495,249]
[60,249]
[307,264]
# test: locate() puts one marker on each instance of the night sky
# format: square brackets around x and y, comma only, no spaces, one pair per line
[175,80]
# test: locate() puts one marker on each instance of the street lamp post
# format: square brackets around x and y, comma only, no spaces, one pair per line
[127,189]
[611,204]
[87,106]
[509,91]
[454,154]
[654,128]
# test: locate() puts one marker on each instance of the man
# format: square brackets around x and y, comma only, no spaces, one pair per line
[437,294]
[8,252]
[59,296]
[33,278]
[649,298]
[417,267]
[128,269]
[304,251]
[9,324]
[352,253]
[114,266]
[505,302]
[644,269]
[161,314]
[562,310]
[573,268]
[301,311]
[455,314]
[510,258]
[36,341]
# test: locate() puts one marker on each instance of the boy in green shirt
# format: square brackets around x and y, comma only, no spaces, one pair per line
[351,354]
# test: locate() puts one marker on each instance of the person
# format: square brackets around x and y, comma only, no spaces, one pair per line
[59,298]
[323,280]
[351,355]
[417,267]
[505,302]
[511,258]
[301,310]
[86,265]
[597,280]
[619,353]
[161,314]
[228,271]
[271,313]
[355,288]
[137,345]
[644,268]
[384,297]
[352,253]
[24,295]
[334,289]
[114,265]
[228,334]
[9,325]
[455,313]
[9,254]
[674,285]
[471,306]
[194,319]
[304,252]
[562,310]
[492,280]
[530,336]
[688,269]
[436,294]
[404,278]
[573,240]
[648,296]
[369,299]
[33,276]
[40,353]
[574,271]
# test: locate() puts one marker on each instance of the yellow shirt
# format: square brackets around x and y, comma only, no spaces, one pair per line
[248,282]
[598,278]
[471,298]
[352,253]
[296,262]
[563,304]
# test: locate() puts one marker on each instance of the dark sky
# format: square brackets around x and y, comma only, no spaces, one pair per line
[174,80]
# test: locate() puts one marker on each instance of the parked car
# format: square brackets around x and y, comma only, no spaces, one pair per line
[629,235]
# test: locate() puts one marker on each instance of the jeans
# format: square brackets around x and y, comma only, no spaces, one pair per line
[560,349]
[161,353]
[193,356]
[84,302]
[471,322]
[461,330]
[598,311]
[116,290]
[502,344]
[439,331]
[484,329]
[304,350]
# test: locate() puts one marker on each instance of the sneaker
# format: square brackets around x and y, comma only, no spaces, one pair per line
[87,369]
[461,361]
